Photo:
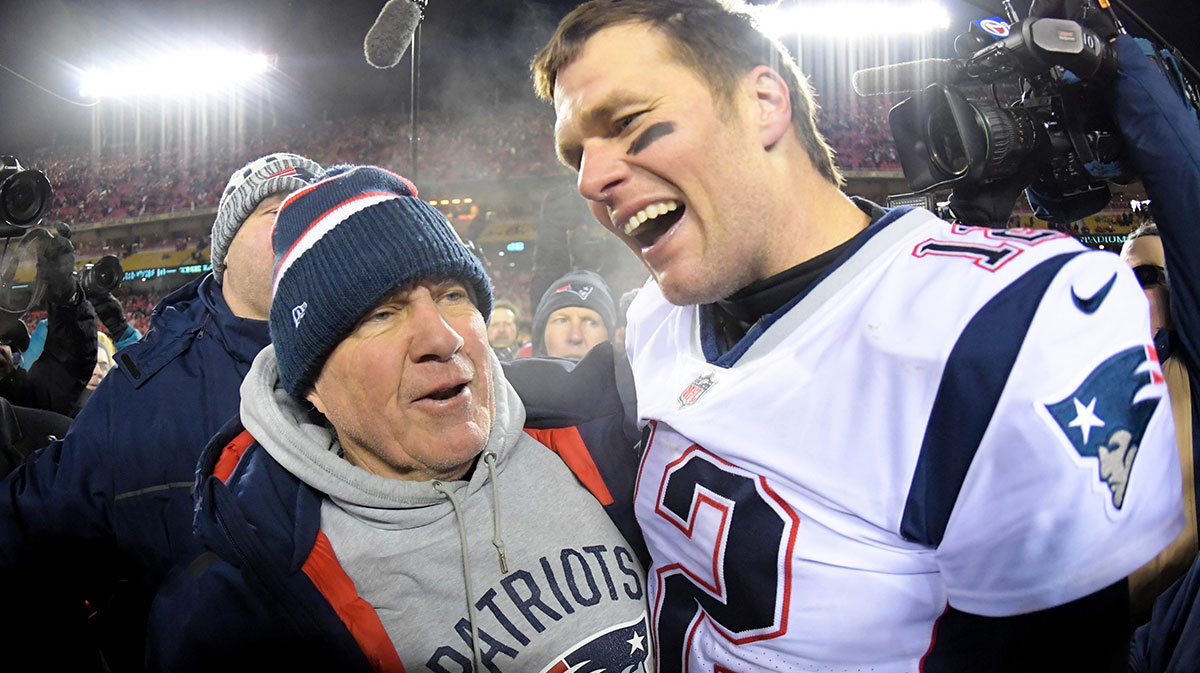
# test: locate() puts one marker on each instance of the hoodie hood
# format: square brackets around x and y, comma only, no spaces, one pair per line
[300,441]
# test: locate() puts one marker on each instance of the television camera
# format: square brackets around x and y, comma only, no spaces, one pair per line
[1056,141]
[25,196]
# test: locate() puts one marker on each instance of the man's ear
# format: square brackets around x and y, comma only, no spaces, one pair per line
[772,104]
[314,398]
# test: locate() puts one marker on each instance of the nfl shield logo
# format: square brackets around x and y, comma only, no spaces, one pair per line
[695,389]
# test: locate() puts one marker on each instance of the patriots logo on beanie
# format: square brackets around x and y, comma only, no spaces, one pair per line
[581,291]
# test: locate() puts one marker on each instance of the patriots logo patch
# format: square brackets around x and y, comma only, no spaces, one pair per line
[621,649]
[1106,416]
[581,290]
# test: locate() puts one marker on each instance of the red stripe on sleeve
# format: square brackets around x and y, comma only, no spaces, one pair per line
[231,454]
[569,446]
[326,573]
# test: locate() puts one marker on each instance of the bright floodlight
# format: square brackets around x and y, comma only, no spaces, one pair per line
[853,19]
[177,74]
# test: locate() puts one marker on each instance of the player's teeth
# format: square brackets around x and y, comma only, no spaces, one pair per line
[649,213]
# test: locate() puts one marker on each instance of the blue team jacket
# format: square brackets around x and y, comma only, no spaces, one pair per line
[113,497]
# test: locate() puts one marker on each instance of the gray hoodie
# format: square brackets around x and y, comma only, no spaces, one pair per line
[551,582]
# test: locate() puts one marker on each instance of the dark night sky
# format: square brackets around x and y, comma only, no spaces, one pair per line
[473,50]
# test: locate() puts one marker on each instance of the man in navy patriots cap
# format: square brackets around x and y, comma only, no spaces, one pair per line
[114,495]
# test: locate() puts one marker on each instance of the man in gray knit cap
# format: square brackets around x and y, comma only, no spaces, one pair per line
[241,235]
[113,497]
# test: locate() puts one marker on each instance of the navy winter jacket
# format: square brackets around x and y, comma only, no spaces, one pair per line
[1163,141]
[112,500]
[270,579]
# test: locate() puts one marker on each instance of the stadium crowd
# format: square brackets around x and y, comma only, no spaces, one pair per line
[120,182]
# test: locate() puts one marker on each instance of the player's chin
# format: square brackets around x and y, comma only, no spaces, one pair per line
[691,286]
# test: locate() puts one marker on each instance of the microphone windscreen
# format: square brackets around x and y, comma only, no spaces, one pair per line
[906,77]
[391,33]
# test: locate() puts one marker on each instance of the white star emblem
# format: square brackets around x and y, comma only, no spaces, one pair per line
[1086,418]
[635,643]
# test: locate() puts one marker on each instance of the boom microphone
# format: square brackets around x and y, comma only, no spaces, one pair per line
[907,77]
[392,32]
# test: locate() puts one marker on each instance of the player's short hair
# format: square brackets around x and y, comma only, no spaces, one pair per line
[717,39]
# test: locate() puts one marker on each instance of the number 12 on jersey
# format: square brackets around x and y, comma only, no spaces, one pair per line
[735,567]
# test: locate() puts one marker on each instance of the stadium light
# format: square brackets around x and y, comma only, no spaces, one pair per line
[180,74]
[853,19]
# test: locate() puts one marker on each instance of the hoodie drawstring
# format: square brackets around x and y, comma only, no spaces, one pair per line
[466,559]
[489,459]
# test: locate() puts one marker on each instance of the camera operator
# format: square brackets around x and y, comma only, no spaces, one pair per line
[1162,140]
[98,282]
[56,380]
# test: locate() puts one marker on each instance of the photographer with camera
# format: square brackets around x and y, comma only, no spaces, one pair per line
[105,513]
[55,381]
[98,282]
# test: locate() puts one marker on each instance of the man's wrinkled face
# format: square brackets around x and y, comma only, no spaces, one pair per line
[250,261]
[1148,250]
[571,332]
[409,391]
[502,328]
[666,167]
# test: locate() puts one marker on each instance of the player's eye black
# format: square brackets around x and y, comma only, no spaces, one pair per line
[1150,275]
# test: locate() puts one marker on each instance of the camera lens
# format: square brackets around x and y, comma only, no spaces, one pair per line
[24,197]
[100,278]
[108,272]
[1012,135]
[946,148]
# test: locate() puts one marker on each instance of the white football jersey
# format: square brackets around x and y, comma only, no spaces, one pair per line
[953,416]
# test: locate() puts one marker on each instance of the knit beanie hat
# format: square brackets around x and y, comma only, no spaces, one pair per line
[341,246]
[247,187]
[577,288]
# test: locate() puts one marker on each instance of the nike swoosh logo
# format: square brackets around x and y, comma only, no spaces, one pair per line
[1090,304]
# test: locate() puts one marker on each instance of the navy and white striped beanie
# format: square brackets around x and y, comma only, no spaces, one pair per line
[248,186]
[341,245]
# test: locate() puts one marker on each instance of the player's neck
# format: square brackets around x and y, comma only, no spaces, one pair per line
[816,217]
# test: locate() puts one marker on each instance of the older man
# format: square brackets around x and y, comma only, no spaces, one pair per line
[382,507]
[862,429]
